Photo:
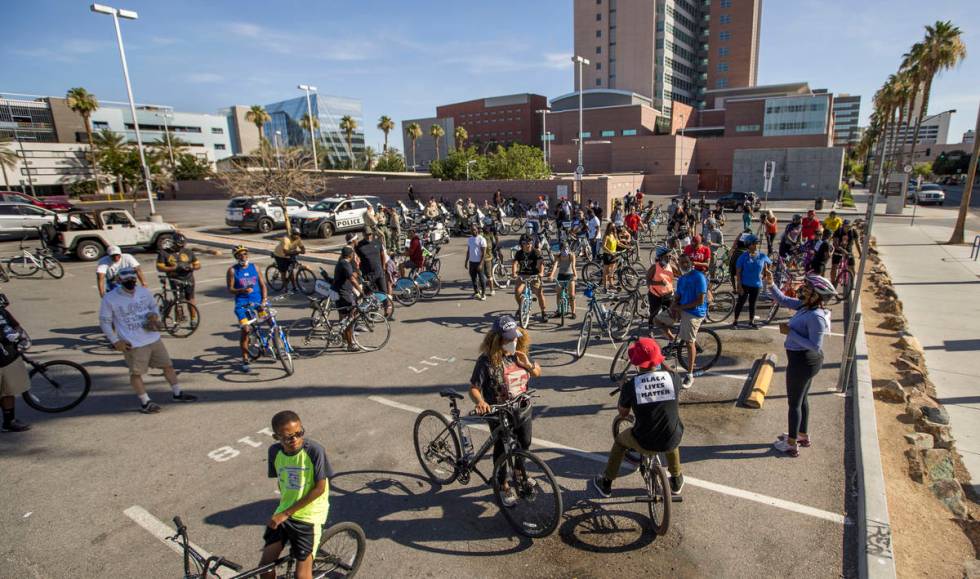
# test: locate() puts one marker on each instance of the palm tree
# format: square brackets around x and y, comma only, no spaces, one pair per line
[414,131]
[349,125]
[942,49]
[437,133]
[8,159]
[385,125]
[905,90]
[84,103]
[258,116]
[461,135]
[370,158]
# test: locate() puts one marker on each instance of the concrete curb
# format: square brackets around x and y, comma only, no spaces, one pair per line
[210,242]
[875,556]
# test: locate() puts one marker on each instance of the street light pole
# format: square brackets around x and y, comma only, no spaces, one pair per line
[680,174]
[309,115]
[581,88]
[275,140]
[544,134]
[129,15]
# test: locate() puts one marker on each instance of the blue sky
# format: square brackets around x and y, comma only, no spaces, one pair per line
[405,58]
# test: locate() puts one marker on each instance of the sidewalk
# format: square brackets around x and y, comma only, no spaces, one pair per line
[939,286]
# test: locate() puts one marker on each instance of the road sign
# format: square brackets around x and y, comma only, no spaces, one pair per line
[907,169]
[562,192]
[580,170]
[769,171]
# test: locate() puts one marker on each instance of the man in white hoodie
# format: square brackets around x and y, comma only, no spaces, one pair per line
[130,319]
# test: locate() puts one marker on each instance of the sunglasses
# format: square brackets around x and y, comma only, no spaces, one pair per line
[289,438]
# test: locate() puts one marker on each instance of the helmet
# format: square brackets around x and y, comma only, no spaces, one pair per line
[239,249]
[797,218]
[179,240]
[749,239]
[821,285]
[661,251]
[526,239]
[847,222]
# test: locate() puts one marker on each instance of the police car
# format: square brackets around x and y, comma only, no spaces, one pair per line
[260,212]
[333,215]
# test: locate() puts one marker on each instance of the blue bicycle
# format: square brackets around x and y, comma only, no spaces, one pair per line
[527,298]
[266,337]
[614,321]
[564,306]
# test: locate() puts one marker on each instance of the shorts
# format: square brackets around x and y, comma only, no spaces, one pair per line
[689,327]
[303,538]
[379,282]
[242,311]
[13,378]
[344,304]
[608,259]
[282,263]
[565,277]
[183,290]
[141,359]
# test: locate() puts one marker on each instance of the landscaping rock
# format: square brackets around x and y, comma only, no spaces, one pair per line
[971,569]
[891,306]
[937,415]
[917,470]
[912,348]
[938,464]
[891,392]
[950,493]
[941,434]
[915,380]
[907,363]
[920,440]
[887,292]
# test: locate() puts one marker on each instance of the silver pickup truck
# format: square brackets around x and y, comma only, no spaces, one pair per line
[90,233]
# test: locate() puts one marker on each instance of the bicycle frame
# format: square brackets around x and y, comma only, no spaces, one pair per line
[216,561]
[469,461]
[265,334]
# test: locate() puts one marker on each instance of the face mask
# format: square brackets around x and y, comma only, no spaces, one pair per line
[510,347]
[686,270]
[129,284]
[243,262]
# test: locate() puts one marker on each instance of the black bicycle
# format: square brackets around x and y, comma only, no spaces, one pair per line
[446,459]
[180,317]
[301,277]
[57,385]
[339,555]
[707,351]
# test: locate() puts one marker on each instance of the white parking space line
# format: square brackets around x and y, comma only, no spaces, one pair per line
[776,329]
[739,377]
[707,485]
[162,531]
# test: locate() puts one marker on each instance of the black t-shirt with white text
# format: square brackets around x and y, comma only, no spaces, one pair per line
[528,262]
[653,398]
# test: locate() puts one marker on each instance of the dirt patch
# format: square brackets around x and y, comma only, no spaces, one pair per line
[928,540]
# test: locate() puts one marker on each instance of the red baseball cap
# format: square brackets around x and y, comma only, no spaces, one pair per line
[645,353]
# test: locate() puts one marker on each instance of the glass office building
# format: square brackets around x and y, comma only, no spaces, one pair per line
[329,110]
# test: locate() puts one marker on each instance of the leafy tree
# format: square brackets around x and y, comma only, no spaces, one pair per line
[437,133]
[923,170]
[461,136]
[453,167]
[369,158]
[517,162]
[414,131]
[258,116]
[349,125]
[84,103]
[386,125]
[86,187]
[949,163]
[390,161]
[191,168]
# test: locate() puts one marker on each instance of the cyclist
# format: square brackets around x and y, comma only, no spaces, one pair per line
[414,257]
[248,287]
[748,278]
[14,380]
[592,225]
[502,372]
[179,264]
[700,254]
[528,262]
[431,209]
[109,267]
[345,283]
[476,249]
[632,222]
[714,236]
[610,244]
[652,398]
[660,283]
[770,225]
[789,245]
[746,216]
[564,267]
[809,225]
[286,252]
[130,319]
[373,258]
[689,309]
[804,333]
[833,222]
[823,248]
[844,239]
[303,474]
[489,235]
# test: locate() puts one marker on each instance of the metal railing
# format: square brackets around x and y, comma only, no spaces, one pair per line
[975,250]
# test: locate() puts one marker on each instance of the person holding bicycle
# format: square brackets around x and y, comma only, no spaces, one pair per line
[302,471]
[689,309]
[248,287]
[528,262]
[652,398]
[14,379]
[373,258]
[286,253]
[610,244]
[109,266]
[660,283]
[501,373]
[564,267]
[345,283]
[179,264]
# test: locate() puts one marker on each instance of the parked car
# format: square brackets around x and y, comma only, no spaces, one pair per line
[736,200]
[260,213]
[333,215]
[927,193]
[89,234]
[20,218]
[52,203]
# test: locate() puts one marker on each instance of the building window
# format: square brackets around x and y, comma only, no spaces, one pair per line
[722,83]
[598,16]
[723,51]
[725,19]
[598,66]
[100,125]
[747,128]
[598,50]
[586,135]
[598,34]
[722,67]
[725,35]
[608,133]
[217,131]
[598,82]
[725,3]
[219,146]
[629,132]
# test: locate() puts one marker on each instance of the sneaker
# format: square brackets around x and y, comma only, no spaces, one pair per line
[482,297]
[801,442]
[476,295]
[183,397]
[688,381]
[245,368]
[150,407]
[544,318]
[510,498]
[15,426]
[493,292]
[602,486]
[785,448]
[676,484]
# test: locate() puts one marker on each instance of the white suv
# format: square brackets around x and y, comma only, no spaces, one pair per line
[928,193]
[260,213]
[333,215]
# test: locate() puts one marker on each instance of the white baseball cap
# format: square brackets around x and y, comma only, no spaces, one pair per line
[114,250]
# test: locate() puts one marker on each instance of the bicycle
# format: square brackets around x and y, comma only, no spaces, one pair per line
[721,305]
[180,317]
[272,341]
[614,321]
[29,262]
[628,274]
[564,306]
[301,277]
[339,554]
[315,333]
[843,277]
[707,352]
[527,298]
[56,385]
[445,460]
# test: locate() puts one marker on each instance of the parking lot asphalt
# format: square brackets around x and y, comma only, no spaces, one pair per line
[84,490]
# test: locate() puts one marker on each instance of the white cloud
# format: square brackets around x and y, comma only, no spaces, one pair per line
[246,29]
[204,77]
[559,60]
[70,50]
[164,40]
[283,42]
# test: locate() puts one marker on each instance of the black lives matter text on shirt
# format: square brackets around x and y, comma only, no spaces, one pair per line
[653,398]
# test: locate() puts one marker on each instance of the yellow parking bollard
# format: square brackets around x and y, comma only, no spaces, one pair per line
[764,368]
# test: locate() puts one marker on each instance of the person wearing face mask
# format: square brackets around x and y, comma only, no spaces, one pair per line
[502,372]
[107,269]
[564,268]
[748,278]
[130,319]
[248,287]
[688,311]
[804,333]
[660,283]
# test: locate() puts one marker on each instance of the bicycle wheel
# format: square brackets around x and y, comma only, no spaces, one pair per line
[340,552]
[309,336]
[769,306]
[708,350]
[305,280]
[658,499]
[161,302]
[592,272]
[181,318]
[406,292]
[57,386]
[621,317]
[53,267]
[371,331]
[721,306]
[584,335]
[255,347]
[525,310]
[437,447]
[538,509]
[630,276]
[435,265]
[274,278]
[3,274]
[843,286]
[429,284]
[501,276]
[621,368]
[21,266]
[281,351]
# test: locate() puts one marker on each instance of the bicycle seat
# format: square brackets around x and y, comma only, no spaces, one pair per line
[450,393]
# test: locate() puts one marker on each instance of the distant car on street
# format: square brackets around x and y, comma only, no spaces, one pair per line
[260,213]
[19,218]
[928,193]
[55,203]
[736,200]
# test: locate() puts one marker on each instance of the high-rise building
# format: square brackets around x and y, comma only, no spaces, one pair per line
[847,111]
[968,137]
[287,120]
[669,50]
[933,131]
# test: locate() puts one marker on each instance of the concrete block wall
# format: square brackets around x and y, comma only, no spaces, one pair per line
[801,173]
